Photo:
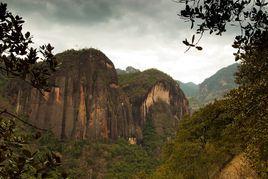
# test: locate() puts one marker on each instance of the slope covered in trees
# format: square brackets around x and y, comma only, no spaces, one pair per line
[242,116]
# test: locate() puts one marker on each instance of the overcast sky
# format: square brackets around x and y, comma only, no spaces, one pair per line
[139,33]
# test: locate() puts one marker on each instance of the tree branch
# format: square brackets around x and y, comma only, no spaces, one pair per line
[21,120]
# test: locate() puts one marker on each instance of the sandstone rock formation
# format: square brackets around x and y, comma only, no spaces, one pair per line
[155,95]
[87,102]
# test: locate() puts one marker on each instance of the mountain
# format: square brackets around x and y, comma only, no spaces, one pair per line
[190,89]
[211,88]
[87,102]
[155,95]
[129,69]
[218,84]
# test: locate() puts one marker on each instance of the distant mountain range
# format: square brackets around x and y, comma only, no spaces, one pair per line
[190,89]
[128,70]
[211,88]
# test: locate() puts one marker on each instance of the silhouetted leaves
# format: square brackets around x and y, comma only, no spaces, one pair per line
[17,58]
[199,48]
[214,15]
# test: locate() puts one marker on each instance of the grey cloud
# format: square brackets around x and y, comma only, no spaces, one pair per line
[147,33]
[91,12]
[68,11]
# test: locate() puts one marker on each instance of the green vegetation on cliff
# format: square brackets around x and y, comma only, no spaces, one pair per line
[137,84]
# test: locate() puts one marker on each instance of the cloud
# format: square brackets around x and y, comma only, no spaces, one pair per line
[143,34]
[68,11]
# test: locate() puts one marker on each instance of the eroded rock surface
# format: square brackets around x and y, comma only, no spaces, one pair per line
[87,102]
[155,96]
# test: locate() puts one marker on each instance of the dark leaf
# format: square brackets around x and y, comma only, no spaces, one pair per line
[199,48]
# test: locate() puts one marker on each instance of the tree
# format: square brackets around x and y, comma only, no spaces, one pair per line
[202,144]
[19,60]
[150,139]
[215,16]
[249,102]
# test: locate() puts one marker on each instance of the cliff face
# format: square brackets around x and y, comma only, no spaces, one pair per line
[85,102]
[156,96]
[169,94]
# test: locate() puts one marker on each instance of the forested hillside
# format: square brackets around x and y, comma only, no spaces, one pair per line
[214,87]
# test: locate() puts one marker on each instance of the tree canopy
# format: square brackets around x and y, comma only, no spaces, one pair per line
[216,15]
[19,157]
[18,58]
[237,125]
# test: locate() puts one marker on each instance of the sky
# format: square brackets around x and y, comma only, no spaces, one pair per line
[140,33]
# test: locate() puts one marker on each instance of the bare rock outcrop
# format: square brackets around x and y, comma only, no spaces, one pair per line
[88,102]
[156,96]
[85,102]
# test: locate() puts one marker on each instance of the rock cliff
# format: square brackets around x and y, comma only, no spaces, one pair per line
[87,102]
[154,95]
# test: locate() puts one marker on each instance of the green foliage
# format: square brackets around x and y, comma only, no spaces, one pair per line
[19,158]
[249,104]
[190,89]
[129,161]
[100,160]
[218,85]
[137,84]
[150,139]
[209,139]
[163,120]
[214,16]
[19,60]
[203,143]
[214,87]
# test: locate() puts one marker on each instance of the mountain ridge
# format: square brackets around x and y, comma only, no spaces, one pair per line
[213,87]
